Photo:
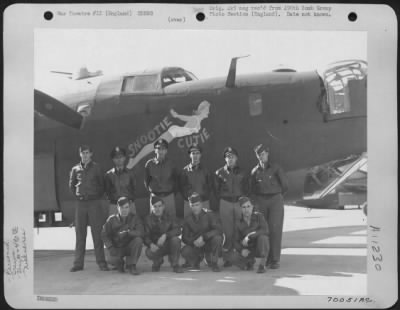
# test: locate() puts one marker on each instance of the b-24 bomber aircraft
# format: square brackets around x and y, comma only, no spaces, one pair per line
[307,118]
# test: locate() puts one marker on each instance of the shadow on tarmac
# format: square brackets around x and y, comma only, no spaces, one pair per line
[306,238]
[339,265]
[52,277]
[52,274]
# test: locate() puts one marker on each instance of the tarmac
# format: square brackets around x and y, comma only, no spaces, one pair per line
[323,253]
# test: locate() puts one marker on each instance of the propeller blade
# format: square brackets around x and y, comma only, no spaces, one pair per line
[56,110]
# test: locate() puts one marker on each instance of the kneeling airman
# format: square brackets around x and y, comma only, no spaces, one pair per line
[251,238]
[162,236]
[202,235]
[123,236]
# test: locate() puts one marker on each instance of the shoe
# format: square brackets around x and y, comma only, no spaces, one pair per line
[155,267]
[196,266]
[250,266]
[261,269]
[76,268]
[227,264]
[177,269]
[186,265]
[133,270]
[104,268]
[120,268]
[275,265]
[215,268]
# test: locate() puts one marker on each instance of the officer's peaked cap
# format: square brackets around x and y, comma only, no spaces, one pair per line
[117,151]
[122,201]
[261,148]
[193,148]
[230,150]
[160,142]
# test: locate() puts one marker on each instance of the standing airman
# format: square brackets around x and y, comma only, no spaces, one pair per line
[162,178]
[196,178]
[268,183]
[119,181]
[231,183]
[86,183]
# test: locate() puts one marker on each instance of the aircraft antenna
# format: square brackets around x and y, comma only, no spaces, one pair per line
[230,81]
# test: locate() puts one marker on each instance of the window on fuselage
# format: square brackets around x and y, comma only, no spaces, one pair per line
[169,78]
[255,104]
[337,80]
[140,83]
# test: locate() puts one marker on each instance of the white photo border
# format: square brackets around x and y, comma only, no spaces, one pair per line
[379,21]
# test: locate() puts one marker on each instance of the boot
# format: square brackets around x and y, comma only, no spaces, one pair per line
[133,270]
[76,268]
[177,269]
[215,268]
[261,269]
[120,268]
[274,265]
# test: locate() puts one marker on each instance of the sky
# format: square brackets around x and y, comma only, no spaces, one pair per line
[206,53]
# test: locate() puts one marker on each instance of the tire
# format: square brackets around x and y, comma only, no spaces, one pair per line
[364,208]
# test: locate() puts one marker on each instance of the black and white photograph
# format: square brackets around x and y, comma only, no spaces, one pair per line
[199,162]
[155,117]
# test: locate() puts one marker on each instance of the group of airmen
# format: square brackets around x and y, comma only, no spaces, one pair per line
[247,224]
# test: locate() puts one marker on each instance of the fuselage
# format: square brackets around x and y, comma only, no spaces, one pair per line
[286,110]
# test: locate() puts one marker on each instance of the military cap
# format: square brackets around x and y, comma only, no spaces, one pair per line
[243,200]
[230,150]
[261,148]
[160,142]
[84,147]
[117,151]
[154,199]
[194,147]
[194,198]
[122,200]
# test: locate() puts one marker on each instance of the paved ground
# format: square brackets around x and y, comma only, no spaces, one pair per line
[324,252]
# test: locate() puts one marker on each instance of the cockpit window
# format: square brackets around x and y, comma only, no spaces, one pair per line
[140,83]
[337,79]
[172,77]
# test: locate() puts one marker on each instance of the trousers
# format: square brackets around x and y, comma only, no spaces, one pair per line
[171,247]
[89,212]
[260,248]
[229,212]
[131,252]
[211,250]
[272,209]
